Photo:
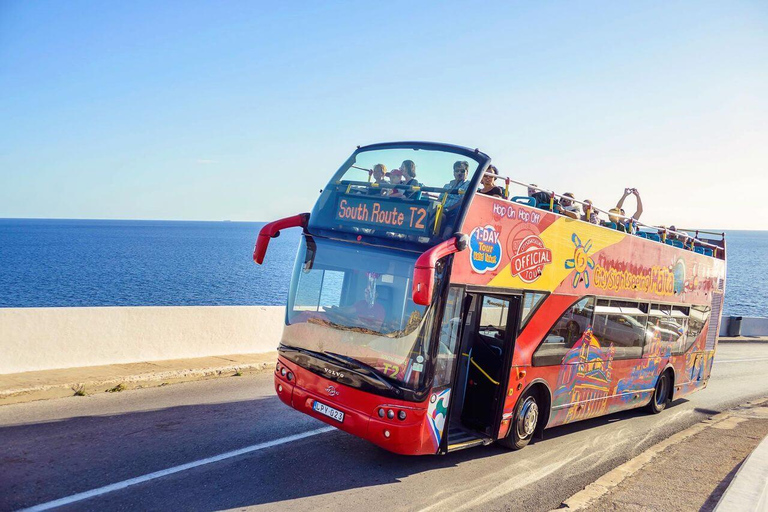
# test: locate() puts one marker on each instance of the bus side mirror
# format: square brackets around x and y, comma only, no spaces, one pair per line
[424,270]
[272,230]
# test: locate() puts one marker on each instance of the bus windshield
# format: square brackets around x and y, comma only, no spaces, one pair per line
[355,302]
[411,194]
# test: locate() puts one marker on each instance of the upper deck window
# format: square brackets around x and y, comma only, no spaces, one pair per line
[409,194]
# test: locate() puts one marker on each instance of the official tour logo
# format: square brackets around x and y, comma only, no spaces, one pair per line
[529,258]
[485,249]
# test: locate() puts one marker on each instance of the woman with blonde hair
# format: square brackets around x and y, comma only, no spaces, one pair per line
[379,174]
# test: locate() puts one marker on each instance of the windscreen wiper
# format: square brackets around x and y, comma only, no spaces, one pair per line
[368,370]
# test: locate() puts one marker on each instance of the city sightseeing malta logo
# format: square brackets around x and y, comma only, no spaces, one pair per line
[580,262]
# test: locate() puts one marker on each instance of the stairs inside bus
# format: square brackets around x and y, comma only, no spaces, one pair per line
[460,438]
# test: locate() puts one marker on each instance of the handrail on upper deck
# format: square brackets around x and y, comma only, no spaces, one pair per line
[590,207]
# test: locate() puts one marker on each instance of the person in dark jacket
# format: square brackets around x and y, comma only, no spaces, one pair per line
[489,187]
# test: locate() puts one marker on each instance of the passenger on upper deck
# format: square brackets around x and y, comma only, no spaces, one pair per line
[541,197]
[569,208]
[409,174]
[489,188]
[617,215]
[627,193]
[458,185]
[683,237]
[589,211]
[396,178]
[379,178]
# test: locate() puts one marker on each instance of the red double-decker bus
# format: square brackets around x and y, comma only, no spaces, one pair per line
[426,317]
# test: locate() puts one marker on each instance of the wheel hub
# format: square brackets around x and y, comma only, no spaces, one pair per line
[529,416]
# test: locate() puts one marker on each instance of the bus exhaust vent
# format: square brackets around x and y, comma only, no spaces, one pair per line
[714,325]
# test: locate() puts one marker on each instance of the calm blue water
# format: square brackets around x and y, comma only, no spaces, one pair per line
[45,263]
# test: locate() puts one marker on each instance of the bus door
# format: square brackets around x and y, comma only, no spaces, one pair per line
[482,370]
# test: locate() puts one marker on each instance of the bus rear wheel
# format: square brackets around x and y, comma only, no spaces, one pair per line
[660,394]
[524,423]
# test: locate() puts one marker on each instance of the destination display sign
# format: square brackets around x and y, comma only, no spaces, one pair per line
[393,215]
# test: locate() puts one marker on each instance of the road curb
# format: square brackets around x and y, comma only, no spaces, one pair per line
[748,491]
[743,339]
[125,382]
[600,487]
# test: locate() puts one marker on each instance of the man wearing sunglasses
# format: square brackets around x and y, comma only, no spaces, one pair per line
[458,186]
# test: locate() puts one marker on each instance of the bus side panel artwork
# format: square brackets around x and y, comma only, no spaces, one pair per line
[516,247]
[540,250]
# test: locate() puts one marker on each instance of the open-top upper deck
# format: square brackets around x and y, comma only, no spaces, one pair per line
[402,194]
[409,195]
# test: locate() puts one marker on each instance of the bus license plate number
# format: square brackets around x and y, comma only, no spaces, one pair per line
[328,411]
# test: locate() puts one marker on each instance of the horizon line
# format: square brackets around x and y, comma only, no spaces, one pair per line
[260,221]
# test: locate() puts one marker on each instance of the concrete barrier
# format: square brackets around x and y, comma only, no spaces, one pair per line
[49,338]
[750,326]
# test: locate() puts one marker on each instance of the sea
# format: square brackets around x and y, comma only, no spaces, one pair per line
[75,263]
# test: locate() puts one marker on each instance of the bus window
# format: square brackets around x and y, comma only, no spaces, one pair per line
[696,320]
[568,329]
[493,317]
[531,301]
[622,324]
[449,337]
[670,324]
[359,308]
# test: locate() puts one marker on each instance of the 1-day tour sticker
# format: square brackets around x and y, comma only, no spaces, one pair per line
[485,249]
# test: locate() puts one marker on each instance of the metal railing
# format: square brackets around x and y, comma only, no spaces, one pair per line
[661,230]
[592,208]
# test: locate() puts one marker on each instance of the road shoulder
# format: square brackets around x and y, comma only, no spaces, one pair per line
[697,464]
[41,385]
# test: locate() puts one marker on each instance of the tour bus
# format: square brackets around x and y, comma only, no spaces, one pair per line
[426,317]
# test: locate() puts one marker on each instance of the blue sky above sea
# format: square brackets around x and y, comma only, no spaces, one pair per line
[242,110]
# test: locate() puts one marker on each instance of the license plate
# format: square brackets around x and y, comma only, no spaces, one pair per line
[328,411]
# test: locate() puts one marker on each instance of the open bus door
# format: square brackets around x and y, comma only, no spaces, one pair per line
[475,355]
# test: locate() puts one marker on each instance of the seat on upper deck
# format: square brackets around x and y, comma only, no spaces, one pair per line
[524,200]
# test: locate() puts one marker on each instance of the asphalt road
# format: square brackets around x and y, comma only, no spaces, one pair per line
[59,448]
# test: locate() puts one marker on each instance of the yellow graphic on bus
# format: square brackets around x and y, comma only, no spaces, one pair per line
[558,238]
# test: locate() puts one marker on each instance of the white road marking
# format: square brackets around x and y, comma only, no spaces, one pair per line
[176,469]
[741,360]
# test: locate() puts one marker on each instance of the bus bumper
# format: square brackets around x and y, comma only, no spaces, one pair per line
[409,437]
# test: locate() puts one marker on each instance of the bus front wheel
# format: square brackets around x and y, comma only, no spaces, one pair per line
[525,421]
[660,393]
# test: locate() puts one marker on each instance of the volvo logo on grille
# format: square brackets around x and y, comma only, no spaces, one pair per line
[333,373]
[332,391]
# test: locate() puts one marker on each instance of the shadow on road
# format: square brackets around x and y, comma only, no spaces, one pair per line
[46,461]
[572,428]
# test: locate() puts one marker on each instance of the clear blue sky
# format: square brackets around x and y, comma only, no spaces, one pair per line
[227,110]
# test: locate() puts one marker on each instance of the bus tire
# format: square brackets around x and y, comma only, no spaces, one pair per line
[524,423]
[661,393]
